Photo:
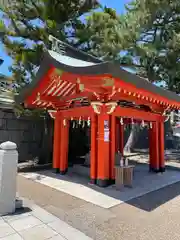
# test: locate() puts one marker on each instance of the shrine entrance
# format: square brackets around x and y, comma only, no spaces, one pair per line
[79,142]
[74,86]
[105,140]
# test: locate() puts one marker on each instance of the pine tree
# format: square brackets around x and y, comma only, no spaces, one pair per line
[25,26]
[157,47]
[149,34]
[146,38]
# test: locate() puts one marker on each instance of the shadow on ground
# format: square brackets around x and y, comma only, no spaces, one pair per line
[20,211]
[149,190]
[155,199]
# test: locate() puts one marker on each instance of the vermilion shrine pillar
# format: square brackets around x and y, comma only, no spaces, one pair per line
[117,134]
[151,148]
[64,145]
[154,147]
[93,155]
[113,136]
[161,147]
[103,152]
[56,145]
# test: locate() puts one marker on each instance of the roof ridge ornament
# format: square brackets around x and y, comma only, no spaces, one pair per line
[57,45]
[108,82]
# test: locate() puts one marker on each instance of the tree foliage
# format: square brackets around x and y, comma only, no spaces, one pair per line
[158,45]
[146,38]
[148,34]
[25,27]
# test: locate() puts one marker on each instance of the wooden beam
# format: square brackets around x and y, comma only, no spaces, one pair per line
[91,83]
[142,92]
[40,88]
[59,100]
[136,114]
[76,112]
[130,98]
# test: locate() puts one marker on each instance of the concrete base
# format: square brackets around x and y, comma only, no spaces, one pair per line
[63,172]
[103,182]
[154,170]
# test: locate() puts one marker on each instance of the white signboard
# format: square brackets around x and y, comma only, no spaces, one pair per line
[106,131]
[106,136]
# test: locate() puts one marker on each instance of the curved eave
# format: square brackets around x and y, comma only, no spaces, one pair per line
[77,66]
[49,62]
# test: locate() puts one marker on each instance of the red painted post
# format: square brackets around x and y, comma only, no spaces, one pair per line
[117,134]
[103,155]
[151,148]
[93,155]
[64,146]
[56,145]
[113,137]
[161,147]
[154,147]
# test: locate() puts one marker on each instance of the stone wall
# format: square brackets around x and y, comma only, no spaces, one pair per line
[26,132]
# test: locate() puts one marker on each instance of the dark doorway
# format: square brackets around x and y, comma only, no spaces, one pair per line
[78,143]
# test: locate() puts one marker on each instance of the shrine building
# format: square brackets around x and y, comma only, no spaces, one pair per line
[72,85]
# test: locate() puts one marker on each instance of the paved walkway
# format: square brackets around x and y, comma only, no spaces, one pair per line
[154,216]
[34,223]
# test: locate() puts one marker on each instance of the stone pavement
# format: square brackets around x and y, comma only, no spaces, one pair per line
[154,216]
[34,223]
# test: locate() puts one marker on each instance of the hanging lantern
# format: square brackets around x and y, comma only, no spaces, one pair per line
[121,121]
[83,125]
[89,122]
[150,125]
[132,121]
[74,124]
[71,118]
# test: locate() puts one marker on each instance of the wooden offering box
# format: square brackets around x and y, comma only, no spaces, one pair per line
[119,172]
[128,175]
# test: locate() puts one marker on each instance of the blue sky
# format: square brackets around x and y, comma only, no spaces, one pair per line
[116,4]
